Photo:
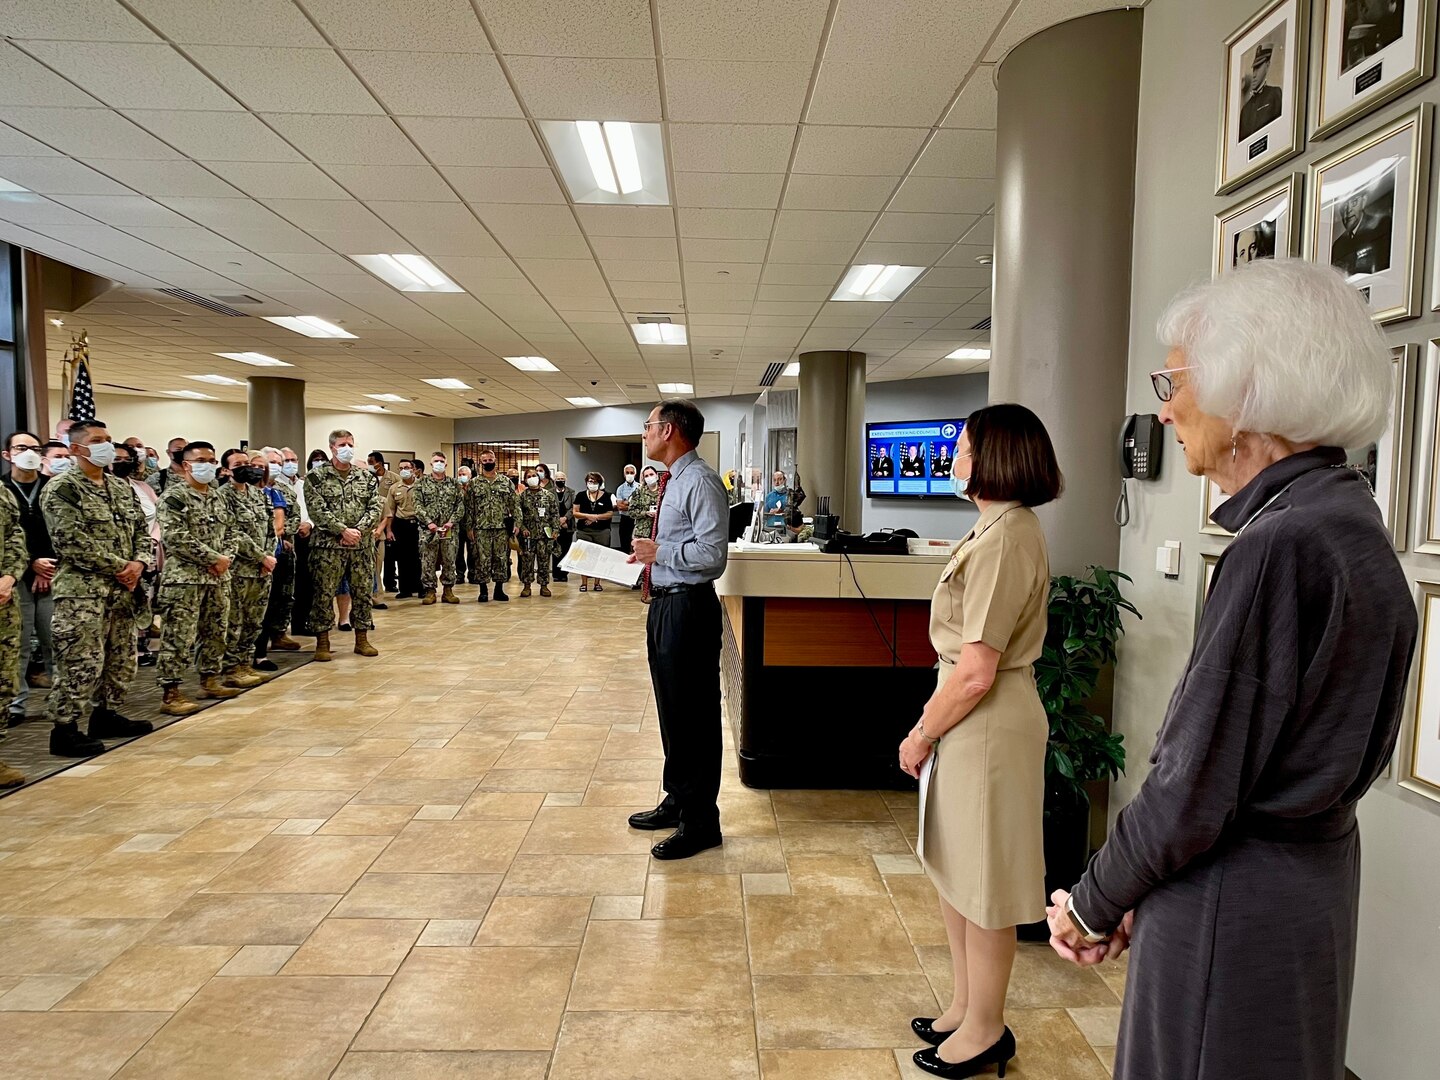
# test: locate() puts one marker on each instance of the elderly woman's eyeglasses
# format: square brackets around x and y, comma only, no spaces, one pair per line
[1164,384]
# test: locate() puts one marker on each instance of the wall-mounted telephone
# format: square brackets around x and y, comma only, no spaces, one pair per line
[1141,438]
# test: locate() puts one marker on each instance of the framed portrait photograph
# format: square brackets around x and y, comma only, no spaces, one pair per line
[1211,499]
[1264,226]
[1385,464]
[1427,538]
[1420,769]
[1264,93]
[1372,51]
[1208,562]
[1366,215]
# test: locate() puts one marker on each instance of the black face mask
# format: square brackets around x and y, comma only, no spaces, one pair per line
[178,456]
[123,469]
[488,466]
[248,474]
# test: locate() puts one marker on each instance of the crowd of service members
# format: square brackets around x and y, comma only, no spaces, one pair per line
[111,559]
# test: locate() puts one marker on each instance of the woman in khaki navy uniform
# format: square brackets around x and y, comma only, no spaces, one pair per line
[985,728]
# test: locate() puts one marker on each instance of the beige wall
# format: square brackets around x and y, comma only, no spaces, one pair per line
[1393,1035]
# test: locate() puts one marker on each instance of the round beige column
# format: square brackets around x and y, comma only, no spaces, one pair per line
[1065,166]
[831,433]
[277,413]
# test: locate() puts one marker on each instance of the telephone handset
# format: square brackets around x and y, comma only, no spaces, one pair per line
[1141,438]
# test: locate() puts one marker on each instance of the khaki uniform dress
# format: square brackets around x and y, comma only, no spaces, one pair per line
[984,811]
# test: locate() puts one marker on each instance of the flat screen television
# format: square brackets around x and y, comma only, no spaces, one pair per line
[910,459]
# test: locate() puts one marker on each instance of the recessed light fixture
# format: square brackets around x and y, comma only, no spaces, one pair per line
[408,273]
[309,325]
[969,353]
[9,186]
[792,371]
[193,395]
[583,402]
[873,281]
[368,408]
[218,380]
[448,384]
[387,397]
[254,359]
[675,388]
[57,322]
[611,161]
[654,333]
[530,363]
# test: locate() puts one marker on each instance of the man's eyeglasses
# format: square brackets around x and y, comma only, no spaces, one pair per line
[1162,382]
[651,423]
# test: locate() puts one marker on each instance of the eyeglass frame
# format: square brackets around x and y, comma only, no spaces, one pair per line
[1165,373]
[649,423]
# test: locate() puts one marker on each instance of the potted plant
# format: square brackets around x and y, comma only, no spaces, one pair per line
[1084,627]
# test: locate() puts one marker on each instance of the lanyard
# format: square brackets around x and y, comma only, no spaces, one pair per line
[29,496]
[1272,498]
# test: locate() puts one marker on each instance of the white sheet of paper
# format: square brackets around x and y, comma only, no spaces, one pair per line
[925,771]
[592,560]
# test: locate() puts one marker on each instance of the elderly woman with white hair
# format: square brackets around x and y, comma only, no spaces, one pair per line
[1234,873]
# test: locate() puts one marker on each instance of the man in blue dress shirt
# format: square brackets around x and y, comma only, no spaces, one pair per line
[682,631]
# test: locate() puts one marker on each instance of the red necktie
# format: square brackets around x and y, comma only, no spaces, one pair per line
[659,498]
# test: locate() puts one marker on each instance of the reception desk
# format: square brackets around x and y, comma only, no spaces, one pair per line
[827,662]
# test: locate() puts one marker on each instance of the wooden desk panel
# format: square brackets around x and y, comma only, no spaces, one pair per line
[843,633]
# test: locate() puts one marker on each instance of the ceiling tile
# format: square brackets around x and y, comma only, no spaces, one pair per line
[215,136]
[848,225]
[958,152]
[348,140]
[857,151]
[275,80]
[14,144]
[784,307]
[742,29]
[123,210]
[1031,16]
[641,270]
[189,240]
[737,190]
[634,247]
[898,32]
[802,274]
[811,192]
[809,293]
[936,194]
[577,88]
[957,277]
[437,84]
[278,179]
[508,221]
[627,220]
[744,251]
[255,22]
[73,20]
[493,185]
[161,178]
[726,224]
[418,25]
[437,228]
[57,176]
[565,28]
[36,212]
[464,141]
[644,295]
[811,251]
[849,93]
[983,232]
[311,214]
[88,133]
[742,148]
[700,272]
[922,228]
[540,246]
[407,183]
[902,254]
[25,81]
[976,105]
[732,91]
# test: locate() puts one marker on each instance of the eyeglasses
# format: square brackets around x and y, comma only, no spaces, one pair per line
[1162,382]
[651,423]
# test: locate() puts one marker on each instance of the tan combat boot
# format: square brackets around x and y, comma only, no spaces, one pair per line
[236,677]
[10,777]
[249,670]
[285,643]
[363,646]
[177,704]
[212,687]
[429,599]
[449,596]
[526,590]
[545,591]
[322,648]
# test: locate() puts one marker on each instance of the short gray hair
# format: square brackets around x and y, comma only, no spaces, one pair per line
[338,434]
[268,450]
[1287,348]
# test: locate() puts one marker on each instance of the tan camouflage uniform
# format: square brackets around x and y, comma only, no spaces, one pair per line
[195,604]
[252,536]
[491,502]
[539,522]
[338,501]
[14,561]
[438,502]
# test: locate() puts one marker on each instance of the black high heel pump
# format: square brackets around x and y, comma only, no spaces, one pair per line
[998,1055]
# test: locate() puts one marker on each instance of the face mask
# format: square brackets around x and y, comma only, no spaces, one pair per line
[532,481]
[959,483]
[123,469]
[463,479]
[407,474]
[560,481]
[651,481]
[203,472]
[345,454]
[291,469]
[29,460]
[102,455]
[65,438]
[488,466]
[779,487]
[247,474]
[152,463]
[629,477]
[437,467]
[274,470]
[59,465]
[314,465]
[592,487]
[178,456]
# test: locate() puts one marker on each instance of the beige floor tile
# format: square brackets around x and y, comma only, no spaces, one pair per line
[447,764]
[576,875]
[837,875]
[689,896]
[436,813]
[150,978]
[1106,1054]
[644,793]
[138,885]
[662,965]
[576,780]
[323,774]
[254,960]
[765,884]
[259,1027]
[826,1012]
[1041,979]
[65,946]
[842,838]
[502,806]
[535,920]
[747,813]
[830,806]
[582,732]
[357,820]
[705,1045]
[453,847]
[298,827]
[62,853]
[381,748]
[828,1065]
[443,1065]
[629,769]
[1099,1024]
[243,920]
[919,906]
[19,888]
[562,754]
[355,947]
[1114,973]
[738,855]
[411,792]
[37,993]
[419,896]
[301,864]
[586,830]
[617,907]
[285,804]
[827,935]
[448,933]
[472,999]
[637,744]
[75,1046]
[1050,1047]
[236,835]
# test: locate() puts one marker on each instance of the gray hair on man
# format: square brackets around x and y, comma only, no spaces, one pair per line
[268,451]
[1285,347]
[338,434]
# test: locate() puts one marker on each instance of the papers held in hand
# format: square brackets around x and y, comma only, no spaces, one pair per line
[592,560]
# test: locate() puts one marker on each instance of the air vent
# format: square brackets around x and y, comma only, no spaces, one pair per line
[636,386]
[773,372]
[478,405]
[983,324]
[653,319]
[427,415]
[117,386]
[205,302]
[237,298]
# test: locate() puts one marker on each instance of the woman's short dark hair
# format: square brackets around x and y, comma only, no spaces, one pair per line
[595,476]
[1011,457]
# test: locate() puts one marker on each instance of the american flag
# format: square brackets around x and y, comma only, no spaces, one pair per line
[82,396]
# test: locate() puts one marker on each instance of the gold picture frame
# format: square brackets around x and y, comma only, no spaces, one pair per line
[1211,498]
[1208,562]
[1389,472]
[1427,538]
[1420,762]
[1240,225]
[1357,74]
[1263,124]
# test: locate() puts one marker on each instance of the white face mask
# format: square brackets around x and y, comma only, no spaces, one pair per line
[317,465]
[203,471]
[345,454]
[959,483]
[651,481]
[274,470]
[64,437]
[29,460]
[406,474]
[532,481]
[437,467]
[592,487]
[629,477]
[292,469]
[779,487]
[59,465]
[102,455]
[463,479]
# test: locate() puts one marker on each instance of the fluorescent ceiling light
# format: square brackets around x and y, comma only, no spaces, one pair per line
[194,395]
[675,388]
[876,282]
[583,402]
[218,380]
[448,384]
[309,325]
[611,161]
[792,371]
[656,333]
[530,363]
[254,359]
[969,353]
[57,322]
[8,186]
[368,408]
[387,397]
[408,273]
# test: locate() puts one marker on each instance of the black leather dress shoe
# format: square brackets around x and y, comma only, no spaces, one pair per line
[683,843]
[998,1055]
[662,817]
[923,1027]
[109,724]
[67,740]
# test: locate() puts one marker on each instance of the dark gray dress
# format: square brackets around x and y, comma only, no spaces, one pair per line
[1240,853]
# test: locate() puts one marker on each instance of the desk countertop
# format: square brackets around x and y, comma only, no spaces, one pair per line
[803,570]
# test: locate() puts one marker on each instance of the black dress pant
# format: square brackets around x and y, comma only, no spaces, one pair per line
[304,589]
[627,532]
[402,556]
[563,540]
[682,636]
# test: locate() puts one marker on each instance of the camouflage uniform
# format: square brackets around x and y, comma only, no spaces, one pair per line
[491,502]
[471,568]
[438,502]
[195,604]
[641,503]
[338,501]
[539,518]
[252,535]
[95,529]
[14,561]
[282,584]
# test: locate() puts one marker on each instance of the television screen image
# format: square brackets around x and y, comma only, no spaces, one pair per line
[910,459]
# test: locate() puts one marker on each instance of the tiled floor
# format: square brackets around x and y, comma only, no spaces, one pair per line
[418,866]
